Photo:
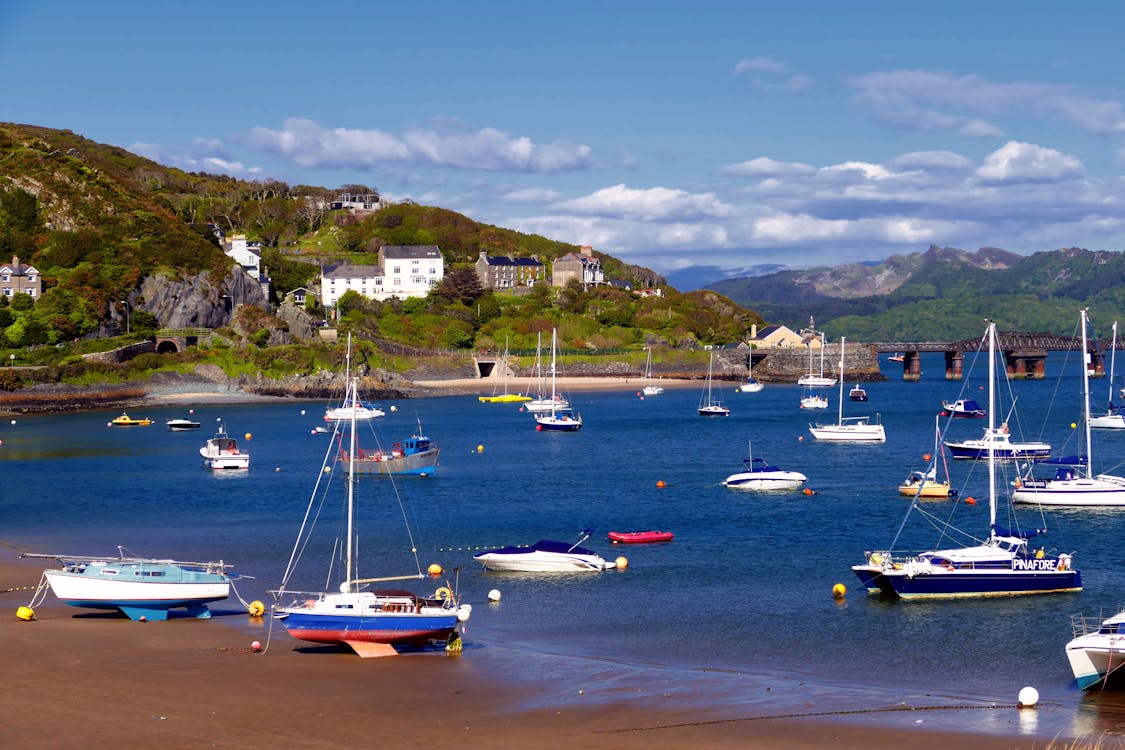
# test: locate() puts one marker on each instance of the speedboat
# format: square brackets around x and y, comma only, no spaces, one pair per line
[126,421]
[758,475]
[962,407]
[814,401]
[222,452]
[180,424]
[545,556]
[857,393]
[141,588]
[997,441]
[1097,650]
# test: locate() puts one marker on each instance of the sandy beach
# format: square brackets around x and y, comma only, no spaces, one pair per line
[83,678]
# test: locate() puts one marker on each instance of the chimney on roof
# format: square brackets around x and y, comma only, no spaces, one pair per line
[587,251]
[754,331]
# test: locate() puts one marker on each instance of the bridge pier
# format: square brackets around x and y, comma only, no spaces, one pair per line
[954,365]
[1029,365]
[911,366]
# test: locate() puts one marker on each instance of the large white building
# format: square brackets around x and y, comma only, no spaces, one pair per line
[403,271]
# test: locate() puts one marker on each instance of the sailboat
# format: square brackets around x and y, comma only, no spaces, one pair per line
[557,418]
[345,411]
[709,406]
[752,384]
[814,380]
[1111,420]
[1074,482]
[503,397]
[925,483]
[848,429]
[999,565]
[371,622]
[650,388]
[542,400]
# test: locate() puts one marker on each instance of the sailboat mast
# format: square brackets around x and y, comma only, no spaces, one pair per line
[991,429]
[840,408]
[1112,360]
[1086,397]
[554,345]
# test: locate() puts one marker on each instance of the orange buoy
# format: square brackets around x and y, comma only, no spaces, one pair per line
[807,491]
[970,501]
[925,456]
[660,483]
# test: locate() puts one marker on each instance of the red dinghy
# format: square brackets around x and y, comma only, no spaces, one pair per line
[639,537]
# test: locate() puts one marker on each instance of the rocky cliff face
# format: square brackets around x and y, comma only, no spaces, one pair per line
[197,301]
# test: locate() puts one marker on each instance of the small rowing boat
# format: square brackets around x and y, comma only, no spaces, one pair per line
[639,537]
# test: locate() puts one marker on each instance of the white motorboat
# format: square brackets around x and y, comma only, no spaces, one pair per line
[848,429]
[998,441]
[545,556]
[1097,650]
[813,400]
[758,475]
[141,588]
[222,452]
[181,424]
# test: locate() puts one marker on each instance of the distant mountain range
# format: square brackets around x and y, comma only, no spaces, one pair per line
[942,294]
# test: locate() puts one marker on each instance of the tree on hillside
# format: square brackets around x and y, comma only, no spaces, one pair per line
[459,285]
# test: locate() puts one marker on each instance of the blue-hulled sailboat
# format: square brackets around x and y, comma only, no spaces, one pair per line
[1002,564]
[558,418]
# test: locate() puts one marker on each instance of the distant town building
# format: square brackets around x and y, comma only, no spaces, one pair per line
[358,202]
[246,254]
[582,267]
[403,271]
[774,337]
[18,278]
[507,272]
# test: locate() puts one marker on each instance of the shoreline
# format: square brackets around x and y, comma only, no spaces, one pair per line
[187,682]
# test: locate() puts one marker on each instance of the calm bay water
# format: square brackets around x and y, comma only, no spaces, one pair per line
[745,588]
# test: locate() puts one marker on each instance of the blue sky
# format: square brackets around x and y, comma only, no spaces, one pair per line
[670,135]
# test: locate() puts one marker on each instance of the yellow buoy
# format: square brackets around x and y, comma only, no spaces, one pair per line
[1073,426]
[621,563]
[480,449]
[27,614]
[435,569]
[256,608]
[248,436]
[839,590]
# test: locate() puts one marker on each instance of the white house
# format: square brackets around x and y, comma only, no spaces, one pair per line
[246,254]
[403,271]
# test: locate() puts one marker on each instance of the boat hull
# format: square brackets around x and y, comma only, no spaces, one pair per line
[396,629]
[771,480]
[1108,422]
[558,423]
[423,463]
[223,462]
[639,537]
[748,387]
[537,562]
[977,451]
[1072,492]
[929,488]
[1094,656]
[847,433]
[963,583]
[714,411]
[137,598]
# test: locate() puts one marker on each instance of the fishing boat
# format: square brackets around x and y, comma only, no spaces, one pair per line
[963,408]
[557,418]
[222,452]
[141,588]
[813,400]
[544,401]
[751,384]
[1000,565]
[709,404]
[997,442]
[650,388]
[545,556]
[925,483]
[126,421]
[857,393]
[1074,483]
[897,357]
[848,429]
[416,455]
[372,622]
[1097,650]
[639,537]
[817,379]
[1112,419]
[501,394]
[759,475]
[181,424]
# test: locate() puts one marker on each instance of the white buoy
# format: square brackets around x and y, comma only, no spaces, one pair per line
[394,408]
[1028,697]
[494,595]
[302,412]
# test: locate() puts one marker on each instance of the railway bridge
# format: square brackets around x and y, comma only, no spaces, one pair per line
[1025,354]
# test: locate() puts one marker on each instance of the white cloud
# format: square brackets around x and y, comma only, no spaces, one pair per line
[758,64]
[1025,162]
[978,128]
[931,160]
[651,204]
[310,145]
[202,155]
[763,166]
[531,195]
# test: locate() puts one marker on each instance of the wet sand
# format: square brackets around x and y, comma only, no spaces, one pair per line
[80,678]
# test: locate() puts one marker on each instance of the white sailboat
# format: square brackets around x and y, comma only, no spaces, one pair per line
[557,418]
[650,388]
[752,384]
[848,429]
[1112,419]
[814,380]
[543,401]
[1074,482]
[1002,564]
[370,622]
[709,405]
